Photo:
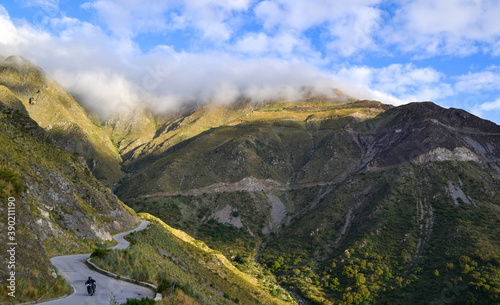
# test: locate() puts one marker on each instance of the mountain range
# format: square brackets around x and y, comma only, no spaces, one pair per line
[325,199]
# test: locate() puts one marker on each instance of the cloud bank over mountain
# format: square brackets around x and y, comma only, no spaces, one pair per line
[117,53]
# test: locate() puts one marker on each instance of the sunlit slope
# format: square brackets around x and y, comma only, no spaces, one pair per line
[282,142]
[57,112]
[190,120]
[205,275]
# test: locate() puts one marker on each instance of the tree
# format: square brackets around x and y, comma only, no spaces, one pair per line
[145,301]
[436,273]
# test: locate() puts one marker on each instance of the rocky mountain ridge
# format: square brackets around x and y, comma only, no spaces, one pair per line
[425,131]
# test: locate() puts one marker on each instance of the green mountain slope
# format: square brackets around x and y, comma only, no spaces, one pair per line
[56,111]
[60,208]
[203,274]
[191,120]
[131,130]
[401,235]
[175,127]
[362,204]
[270,141]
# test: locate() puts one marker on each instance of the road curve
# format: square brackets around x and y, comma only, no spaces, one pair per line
[122,243]
[72,268]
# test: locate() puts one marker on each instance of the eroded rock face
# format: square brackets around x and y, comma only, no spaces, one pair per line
[457,194]
[227,216]
[89,210]
[442,154]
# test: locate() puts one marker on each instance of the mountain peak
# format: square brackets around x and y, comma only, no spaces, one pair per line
[413,131]
[20,64]
[419,112]
[17,60]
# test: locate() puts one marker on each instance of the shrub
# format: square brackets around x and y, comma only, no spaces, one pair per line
[100,253]
[10,184]
[276,292]
[146,301]
[241,259]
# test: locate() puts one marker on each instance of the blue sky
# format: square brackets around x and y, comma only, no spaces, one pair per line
[117,53]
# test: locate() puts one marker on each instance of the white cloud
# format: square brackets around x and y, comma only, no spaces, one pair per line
[351,25]
[212,18]
[217,20]
[302,15]
[51,4]
[102,91]
[477,90]
[355,31]
[226,4]
[488,107]
[491,105]
[488,80]
[423,28]
[14,37]
[205,76]
[9,35]
[82,58]
[283,44]
[110,71]
[130,17]
[458,27]
[407,83]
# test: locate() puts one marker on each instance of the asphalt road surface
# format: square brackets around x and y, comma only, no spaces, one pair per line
[76,273]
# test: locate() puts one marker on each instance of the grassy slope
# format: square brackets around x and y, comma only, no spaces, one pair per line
[205,275]
[171,129]
[51,188]
[56,111]
[131,130]
[394,243]
[265,143]
[191,121]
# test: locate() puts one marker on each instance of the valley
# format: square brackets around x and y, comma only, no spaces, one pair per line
[325,199]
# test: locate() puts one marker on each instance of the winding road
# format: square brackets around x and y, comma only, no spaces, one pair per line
[72,268]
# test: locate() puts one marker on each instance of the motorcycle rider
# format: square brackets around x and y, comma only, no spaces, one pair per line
[91,282]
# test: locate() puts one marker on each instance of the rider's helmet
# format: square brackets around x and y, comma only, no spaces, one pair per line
[90,277]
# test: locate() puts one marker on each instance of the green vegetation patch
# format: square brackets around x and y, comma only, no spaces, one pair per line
[161,254]
[407,242]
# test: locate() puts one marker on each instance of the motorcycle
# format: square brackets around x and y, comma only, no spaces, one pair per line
[90,288]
